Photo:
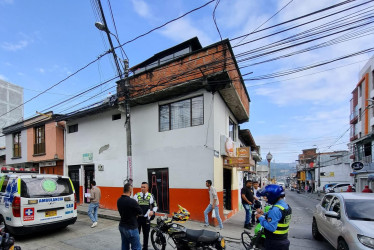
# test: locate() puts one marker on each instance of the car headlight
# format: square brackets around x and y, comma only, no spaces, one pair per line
[367,241]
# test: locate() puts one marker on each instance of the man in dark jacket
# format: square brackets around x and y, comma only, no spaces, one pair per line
[247,201]
[129,210]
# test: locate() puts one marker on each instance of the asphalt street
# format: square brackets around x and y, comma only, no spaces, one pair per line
[106,234]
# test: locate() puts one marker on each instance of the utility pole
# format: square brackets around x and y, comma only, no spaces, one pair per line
[126,83]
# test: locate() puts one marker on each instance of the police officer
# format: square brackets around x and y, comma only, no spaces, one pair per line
[277,220]
[149,207]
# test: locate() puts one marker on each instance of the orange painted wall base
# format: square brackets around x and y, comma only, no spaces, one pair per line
[194,200]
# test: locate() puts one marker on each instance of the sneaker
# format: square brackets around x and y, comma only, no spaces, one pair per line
[205,225]
[94,224]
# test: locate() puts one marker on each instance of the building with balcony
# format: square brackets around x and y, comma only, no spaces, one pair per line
[36,145]
[362,125]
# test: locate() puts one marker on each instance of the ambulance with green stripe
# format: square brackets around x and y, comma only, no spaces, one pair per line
[36,202]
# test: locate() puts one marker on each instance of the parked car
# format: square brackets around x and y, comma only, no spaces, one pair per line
[326,186]
[342,187]
[35,202]
[346,220]
[282,184]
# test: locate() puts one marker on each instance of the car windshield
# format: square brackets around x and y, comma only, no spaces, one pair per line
[45,187]
[360,209]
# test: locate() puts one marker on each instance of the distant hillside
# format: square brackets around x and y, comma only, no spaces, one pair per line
[280,170]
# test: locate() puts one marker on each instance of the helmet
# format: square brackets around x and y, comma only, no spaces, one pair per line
[182,215]
[272,193]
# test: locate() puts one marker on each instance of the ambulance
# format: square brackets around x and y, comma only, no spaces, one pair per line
[35,202]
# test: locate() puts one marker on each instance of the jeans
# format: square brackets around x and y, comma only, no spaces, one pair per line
[207,211]
[92,211]
[130,237]
[277,244]
[248,213]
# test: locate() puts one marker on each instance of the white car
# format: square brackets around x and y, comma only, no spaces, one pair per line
[282,184]
[346,220]
[341,187]
[34,202]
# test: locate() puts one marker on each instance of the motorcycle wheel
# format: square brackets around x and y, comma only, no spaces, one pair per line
[158,240]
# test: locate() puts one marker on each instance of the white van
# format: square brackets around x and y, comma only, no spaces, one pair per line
[36,202]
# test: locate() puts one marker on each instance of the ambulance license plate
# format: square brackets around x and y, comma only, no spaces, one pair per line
[51,213]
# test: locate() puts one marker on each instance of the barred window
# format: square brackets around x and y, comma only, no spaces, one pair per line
[39,140]
[182,114]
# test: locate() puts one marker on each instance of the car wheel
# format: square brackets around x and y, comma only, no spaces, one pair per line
[342,245]
[316,234]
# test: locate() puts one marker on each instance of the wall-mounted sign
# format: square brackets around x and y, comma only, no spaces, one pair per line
[235,160]
[47,164]
[229,146]
[87,157]
[243,152]
[357,165]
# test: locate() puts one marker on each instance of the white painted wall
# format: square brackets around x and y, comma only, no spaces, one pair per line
[341,174]
[9,149]
[93,133]
[182,151]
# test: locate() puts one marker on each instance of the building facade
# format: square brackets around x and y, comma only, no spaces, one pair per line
[362,125]
[186,106]
[35,145]
[11,96]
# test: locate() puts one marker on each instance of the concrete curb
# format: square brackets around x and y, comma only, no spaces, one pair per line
[105,216]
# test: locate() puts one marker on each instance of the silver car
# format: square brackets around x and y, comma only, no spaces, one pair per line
[346,220]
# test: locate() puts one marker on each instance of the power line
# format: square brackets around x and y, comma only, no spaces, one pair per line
[214,18]
[265,21]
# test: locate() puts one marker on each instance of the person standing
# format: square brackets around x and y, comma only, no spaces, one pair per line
[367,190]
[149,207]
[95,196]
[256,201]
[277,220]
[247,201]
[129,210]
[213,204]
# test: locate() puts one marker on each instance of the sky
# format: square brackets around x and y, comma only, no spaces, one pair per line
[43,42]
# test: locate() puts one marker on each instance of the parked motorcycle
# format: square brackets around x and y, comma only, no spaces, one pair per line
[7,241]
[182,237]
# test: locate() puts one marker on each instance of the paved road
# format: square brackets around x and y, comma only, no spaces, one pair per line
[106,234]
[300,234]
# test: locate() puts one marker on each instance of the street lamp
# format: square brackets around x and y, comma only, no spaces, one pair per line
[268,158]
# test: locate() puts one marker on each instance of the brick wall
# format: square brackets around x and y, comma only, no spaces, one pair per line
[209,61]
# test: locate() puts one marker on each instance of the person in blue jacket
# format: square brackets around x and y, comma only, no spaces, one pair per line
[277,220]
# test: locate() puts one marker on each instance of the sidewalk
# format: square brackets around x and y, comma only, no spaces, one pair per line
[232,228]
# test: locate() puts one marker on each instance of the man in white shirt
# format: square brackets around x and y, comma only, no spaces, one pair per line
[257,202]
[213,204]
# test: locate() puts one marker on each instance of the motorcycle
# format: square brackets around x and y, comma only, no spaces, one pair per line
[7,241]
[182,237]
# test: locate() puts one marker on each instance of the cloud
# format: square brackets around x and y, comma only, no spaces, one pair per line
[2,77]
[41,70]
[6,1]
[14,46]
[184,29]
[142,8]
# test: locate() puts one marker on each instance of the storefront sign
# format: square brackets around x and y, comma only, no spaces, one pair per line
[243,152]
[87,157]
[47,164]
[357,165]
[229,146]
[235,160]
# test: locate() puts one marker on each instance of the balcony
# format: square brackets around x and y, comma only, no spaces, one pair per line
[353,118]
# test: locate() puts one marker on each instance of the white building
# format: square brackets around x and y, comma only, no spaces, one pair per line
[11,96]
[182,135]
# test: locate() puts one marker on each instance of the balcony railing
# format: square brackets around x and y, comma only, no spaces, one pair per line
[39,148]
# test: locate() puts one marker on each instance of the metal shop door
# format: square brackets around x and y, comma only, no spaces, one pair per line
[74,176]
[89,176]
[158,180]
[227,188]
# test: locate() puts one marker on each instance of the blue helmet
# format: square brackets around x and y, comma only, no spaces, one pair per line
[272,193]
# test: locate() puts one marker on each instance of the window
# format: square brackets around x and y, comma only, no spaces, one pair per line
[326,201]
[39,140]
[5,180]
[232,130]
[359,114]
[116,117]
[182,114]
[360,91]
[17,144]
[73,128]
[335,206]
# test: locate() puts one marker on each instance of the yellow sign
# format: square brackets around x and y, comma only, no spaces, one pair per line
[331,174]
